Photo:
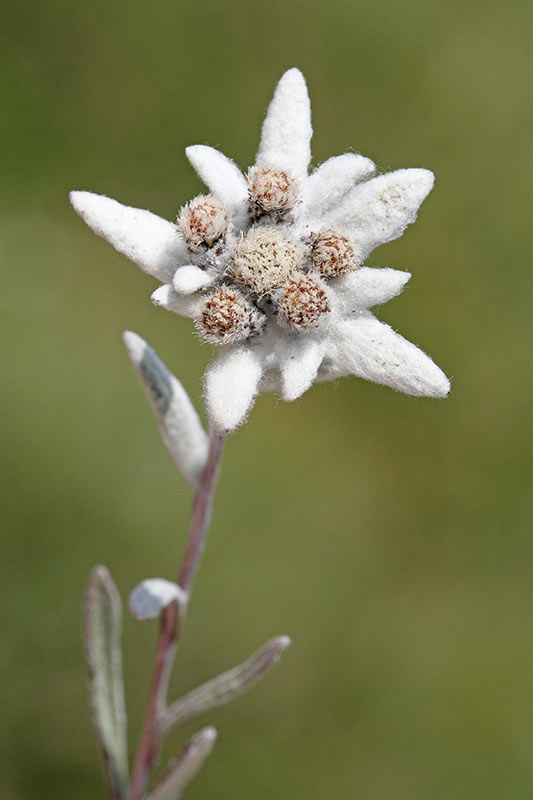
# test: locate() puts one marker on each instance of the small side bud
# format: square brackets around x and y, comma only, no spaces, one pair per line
[202,222]
[152,595]
[228,317]
[271,190]
[332,253]
[264,259]
[302,300]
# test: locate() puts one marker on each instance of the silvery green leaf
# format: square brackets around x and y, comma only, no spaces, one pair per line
[183,769]
[179,424]
[228,685]
[152,595]
[102,633]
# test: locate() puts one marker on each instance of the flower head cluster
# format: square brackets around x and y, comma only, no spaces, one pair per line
[269,264]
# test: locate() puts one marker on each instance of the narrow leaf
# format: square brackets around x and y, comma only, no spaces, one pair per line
[183,769]
[227,686]
[102,633]
[179,424]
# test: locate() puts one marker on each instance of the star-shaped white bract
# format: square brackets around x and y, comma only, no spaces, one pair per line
[269,265]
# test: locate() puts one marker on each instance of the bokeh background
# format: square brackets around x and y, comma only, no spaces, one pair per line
[389,536]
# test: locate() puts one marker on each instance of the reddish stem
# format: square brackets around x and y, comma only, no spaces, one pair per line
[201,514]
[171,621]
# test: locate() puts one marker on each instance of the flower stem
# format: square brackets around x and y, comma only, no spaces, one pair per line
[171,620]
[201,514]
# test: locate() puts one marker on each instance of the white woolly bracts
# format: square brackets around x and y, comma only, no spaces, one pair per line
[269,264]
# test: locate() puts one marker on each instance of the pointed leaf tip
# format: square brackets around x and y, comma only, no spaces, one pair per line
[283,642]
[151,242]
[208,734]
[185,767]
[135,346]
[372,350]
[222,177]
[286,133]
[293,74]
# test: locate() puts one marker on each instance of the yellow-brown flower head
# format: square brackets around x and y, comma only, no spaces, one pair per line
[202,222]
[264,259]
[332,253]
[228,317]
[271,190]
[302,300]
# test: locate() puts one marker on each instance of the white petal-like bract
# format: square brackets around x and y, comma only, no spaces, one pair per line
[299,361]
[184,305]
[152,595]
[221,175]
[179,424]
[328,184]
[286,133]
[367,287]
[379,210]
[231,384]
[190,279]
[153,243]
[370,349]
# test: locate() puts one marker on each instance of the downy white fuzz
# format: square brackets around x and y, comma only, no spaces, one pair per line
[263,259]
[269,265]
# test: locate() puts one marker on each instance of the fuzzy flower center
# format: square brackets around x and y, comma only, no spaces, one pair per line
[271,190]
[202,222]
[228,316]
[264,272]
[302,300]
[332,253]
[264,259]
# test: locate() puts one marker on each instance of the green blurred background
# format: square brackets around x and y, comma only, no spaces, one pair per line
[389,536]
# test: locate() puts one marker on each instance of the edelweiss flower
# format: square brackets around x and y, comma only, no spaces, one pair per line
[269,264]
